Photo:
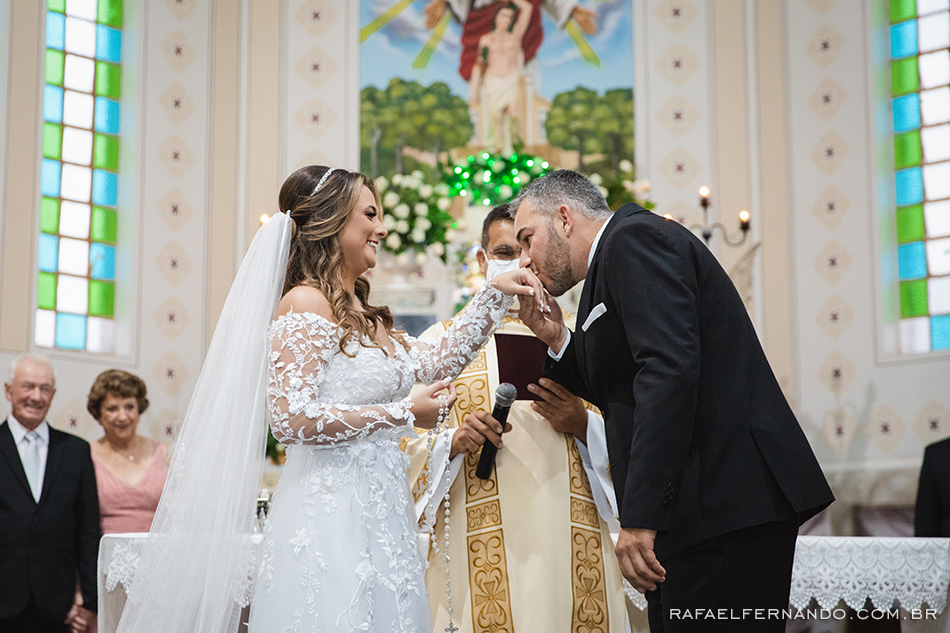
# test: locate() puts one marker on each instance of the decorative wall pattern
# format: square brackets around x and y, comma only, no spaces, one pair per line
[864,415]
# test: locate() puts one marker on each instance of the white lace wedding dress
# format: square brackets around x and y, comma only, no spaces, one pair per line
[339,550]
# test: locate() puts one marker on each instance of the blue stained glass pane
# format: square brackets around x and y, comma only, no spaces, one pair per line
[107,116]
[940,332]
[909,186]
[104,186]
[51,173]
[70,331]
[911,261]
[53,104]
[55,31]
[108,44]
[102,261]
[904,39]
[49,253]
[907,113]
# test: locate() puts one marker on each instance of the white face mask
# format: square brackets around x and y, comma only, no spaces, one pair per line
[500,266]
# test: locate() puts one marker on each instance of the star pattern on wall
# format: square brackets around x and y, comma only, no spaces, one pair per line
[825,46]
[174,209]
[830,152]
[171,317]
[834,317]
[932,422]
[170,373]
[176,155]
[837,372]
[677,64]
[839,429]
[173,263]
[180,8]
[885,427]
[833,261]
[178,50]
[315,118]
[680,167]
[675,15]
[165,425]
[831,206]
[176,103]
[73,418]
[827,99]
[678,115]
[315,66]
[316,17]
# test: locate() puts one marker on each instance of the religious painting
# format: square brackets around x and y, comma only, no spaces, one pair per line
[442,80]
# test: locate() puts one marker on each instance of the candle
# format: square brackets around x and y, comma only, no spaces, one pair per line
[265,218]
[744,220]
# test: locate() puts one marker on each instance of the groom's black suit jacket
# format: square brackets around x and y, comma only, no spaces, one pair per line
[700,437]
[45,546]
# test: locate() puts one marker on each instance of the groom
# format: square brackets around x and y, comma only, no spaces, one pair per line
[712,472]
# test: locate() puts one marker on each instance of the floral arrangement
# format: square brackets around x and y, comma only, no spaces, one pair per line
[416,216]
[622,188]
[492,179]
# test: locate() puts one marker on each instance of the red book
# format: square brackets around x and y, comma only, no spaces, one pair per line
[520,361]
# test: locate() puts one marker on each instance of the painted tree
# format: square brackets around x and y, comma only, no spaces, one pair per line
[571,124]
[613,118]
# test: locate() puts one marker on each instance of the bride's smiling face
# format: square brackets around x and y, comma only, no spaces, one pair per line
[362,234]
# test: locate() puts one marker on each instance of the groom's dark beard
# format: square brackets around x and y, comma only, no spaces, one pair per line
[557,264]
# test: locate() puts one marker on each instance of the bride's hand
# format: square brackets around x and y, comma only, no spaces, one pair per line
[522,282]
[426,403]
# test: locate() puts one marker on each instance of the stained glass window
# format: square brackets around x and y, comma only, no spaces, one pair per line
[920,100]
[78,176]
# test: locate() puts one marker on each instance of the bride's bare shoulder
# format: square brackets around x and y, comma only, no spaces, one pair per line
[301,299]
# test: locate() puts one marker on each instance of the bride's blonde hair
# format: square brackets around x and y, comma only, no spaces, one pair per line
[316,258]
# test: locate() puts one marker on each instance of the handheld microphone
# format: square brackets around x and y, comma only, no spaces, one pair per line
[505,395]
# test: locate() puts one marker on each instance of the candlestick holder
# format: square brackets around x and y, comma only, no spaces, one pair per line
[706,229]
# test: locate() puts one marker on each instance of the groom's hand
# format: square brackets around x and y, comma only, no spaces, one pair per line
[547,325]
[638,563]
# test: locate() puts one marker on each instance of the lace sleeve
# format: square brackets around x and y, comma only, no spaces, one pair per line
[301,348]
[446,357]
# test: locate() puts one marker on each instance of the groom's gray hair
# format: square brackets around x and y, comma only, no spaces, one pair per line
[563,186]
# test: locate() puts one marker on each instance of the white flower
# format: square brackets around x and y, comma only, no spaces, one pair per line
[626,165]
[418,235]
[425,191]
[397,179]
[401,210]
[597,179]
[301,540]
[390,199]
[641,186]
[505,192]
[628,185]
[451,235]
[497,166]
[402,259]
[393,241]
[418,174]
[603,191]
[402,226]
[381,183]
[421,259]
[424,224]
[389,222]
[438,249]
[443,204]
[441,189]
[421,209]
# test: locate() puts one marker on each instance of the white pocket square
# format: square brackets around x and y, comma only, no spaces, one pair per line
[598,311]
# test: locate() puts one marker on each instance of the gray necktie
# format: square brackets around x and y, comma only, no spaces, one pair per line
[31,462]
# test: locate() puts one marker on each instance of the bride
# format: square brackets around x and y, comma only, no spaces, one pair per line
[339,550]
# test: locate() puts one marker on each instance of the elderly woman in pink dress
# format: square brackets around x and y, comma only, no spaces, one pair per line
[130,469]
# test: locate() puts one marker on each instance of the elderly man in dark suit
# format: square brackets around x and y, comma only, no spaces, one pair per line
[49,512]
[712,472]
[932,510]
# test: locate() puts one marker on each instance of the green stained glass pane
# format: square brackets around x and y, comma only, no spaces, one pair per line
[110,12]
[907,152]
[52,141]
[109,80]
[49,215]
[913,298]
[105,152]
[910,223]
[55,61]
[903,10]
[101,298]
[102,225]
[904,78]
[46,291]
[56,5]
